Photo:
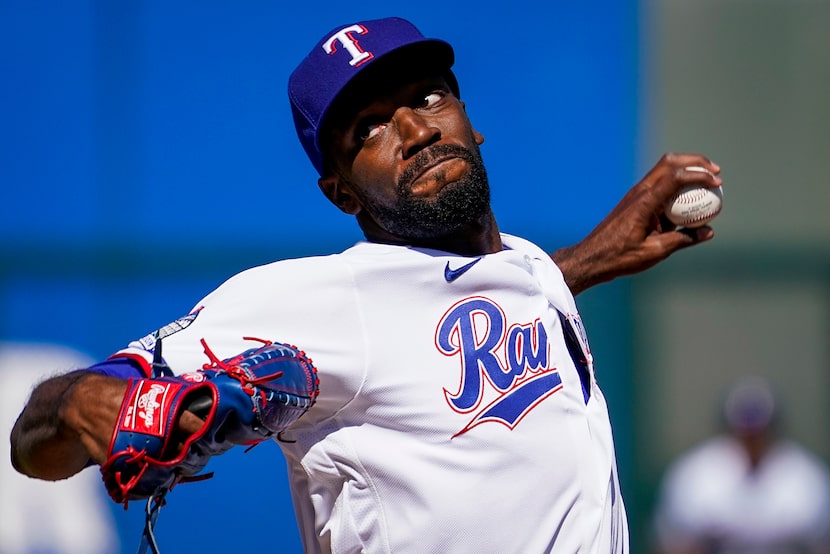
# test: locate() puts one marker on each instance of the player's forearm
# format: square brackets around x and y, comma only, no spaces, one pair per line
[578,269]
[67,421]
[636,234]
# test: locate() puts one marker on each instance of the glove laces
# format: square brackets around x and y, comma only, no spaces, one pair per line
[229,366]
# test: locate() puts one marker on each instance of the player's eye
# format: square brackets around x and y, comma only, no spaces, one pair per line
[432,99]
[367,130]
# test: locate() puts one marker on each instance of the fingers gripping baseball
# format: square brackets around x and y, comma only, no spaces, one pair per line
[653,235]
[675,170]
[637,234]
[169,427]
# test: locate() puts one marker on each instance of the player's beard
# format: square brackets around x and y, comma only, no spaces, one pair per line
[456,205]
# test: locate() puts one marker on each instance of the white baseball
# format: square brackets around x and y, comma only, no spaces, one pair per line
[695,205]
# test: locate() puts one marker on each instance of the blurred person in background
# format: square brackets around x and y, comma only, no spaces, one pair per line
[748,490]
[72,516]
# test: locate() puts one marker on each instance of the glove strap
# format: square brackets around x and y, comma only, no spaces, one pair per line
[151,515]
[160,367]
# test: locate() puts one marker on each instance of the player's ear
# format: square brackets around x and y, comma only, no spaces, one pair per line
[476,135]
[339,194]
[479,137]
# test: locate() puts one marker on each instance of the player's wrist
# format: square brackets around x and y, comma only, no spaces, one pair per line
[121,367]
[88,412]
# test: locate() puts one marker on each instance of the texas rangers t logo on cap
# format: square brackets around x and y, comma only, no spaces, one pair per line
[344,36]
[323,74]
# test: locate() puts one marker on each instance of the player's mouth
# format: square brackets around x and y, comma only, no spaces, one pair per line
[433,169]
[436,176]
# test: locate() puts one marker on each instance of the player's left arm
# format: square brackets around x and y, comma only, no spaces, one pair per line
[149,432]
[242,400]
[635,235]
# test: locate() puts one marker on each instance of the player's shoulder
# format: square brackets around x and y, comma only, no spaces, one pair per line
[796,457]
[301,274]
[515,242]
[717,451]
[537,257]
[290,271]
[530,250]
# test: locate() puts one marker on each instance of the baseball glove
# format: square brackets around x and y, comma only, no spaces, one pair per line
[243,400]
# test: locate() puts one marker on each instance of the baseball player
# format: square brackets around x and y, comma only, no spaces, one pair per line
[457,409]
[748,489]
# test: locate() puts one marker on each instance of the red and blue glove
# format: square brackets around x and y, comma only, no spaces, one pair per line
[243,400]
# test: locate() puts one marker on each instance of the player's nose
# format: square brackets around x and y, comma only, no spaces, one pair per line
[415,131]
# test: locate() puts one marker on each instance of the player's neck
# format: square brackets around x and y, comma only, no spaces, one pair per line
[475,239]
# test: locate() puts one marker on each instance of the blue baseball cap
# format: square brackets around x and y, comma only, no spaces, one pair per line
[344,53]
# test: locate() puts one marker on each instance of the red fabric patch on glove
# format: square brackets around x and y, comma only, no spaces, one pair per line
[147,408]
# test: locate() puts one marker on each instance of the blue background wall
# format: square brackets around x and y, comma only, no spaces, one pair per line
[148,153]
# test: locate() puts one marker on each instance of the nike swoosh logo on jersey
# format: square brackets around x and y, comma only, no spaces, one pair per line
[452,274]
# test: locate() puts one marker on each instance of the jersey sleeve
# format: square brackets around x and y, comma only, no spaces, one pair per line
[308,303]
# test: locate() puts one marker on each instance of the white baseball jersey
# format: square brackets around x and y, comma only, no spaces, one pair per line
[452,416]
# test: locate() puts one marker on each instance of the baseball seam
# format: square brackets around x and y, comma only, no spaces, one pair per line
[691,196]
[702,216]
